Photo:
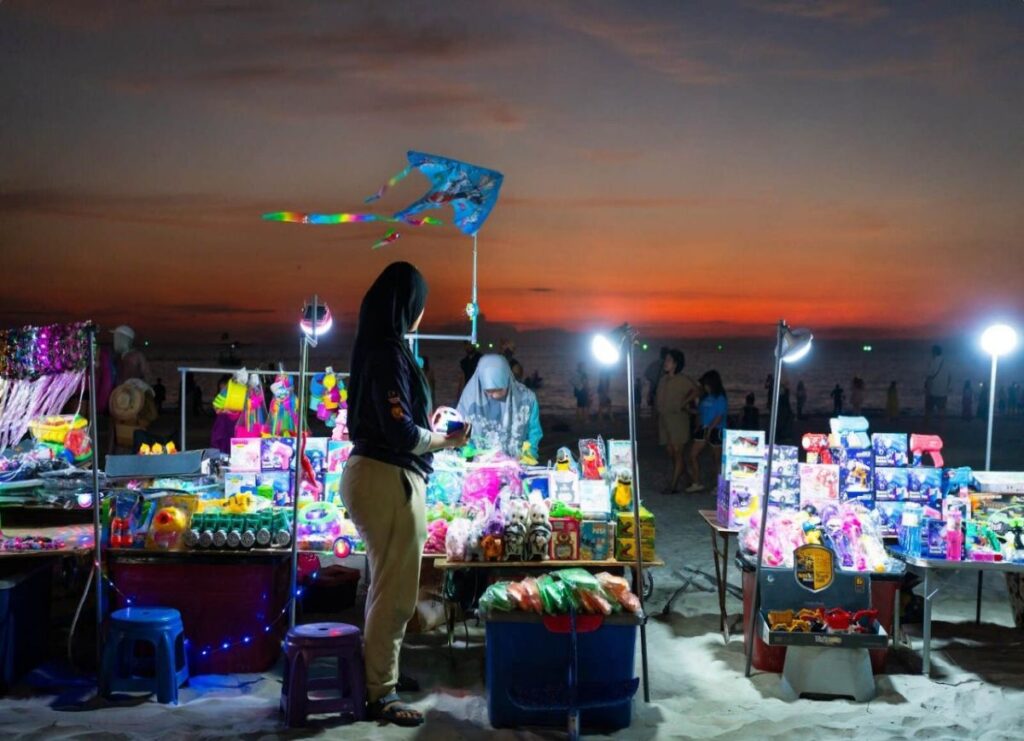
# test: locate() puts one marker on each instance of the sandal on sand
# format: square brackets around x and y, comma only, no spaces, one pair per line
[391,709]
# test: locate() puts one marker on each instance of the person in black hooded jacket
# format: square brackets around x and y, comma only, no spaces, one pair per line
[386,476]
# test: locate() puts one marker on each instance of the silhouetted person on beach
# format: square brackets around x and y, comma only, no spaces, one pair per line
[785,419]
[982,404]
[892,402]
[581,390]
[508,349]
[468,364]
[653,373]
[751,417]
[769,387]
[936,384]
[837,400]
[801,399]
[604,394]
[967,401]
[1001,400]
[857,395]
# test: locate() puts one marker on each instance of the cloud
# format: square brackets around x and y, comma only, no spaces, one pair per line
[854,12]
[540,289]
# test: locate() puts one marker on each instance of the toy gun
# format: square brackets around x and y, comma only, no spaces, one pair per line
[930,444]
[817,447]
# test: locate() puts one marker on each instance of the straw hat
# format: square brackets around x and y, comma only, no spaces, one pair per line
[126,402]
[125,330]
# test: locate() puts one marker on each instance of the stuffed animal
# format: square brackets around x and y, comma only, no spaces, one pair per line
[492,548]
[515,542]
[623,495]
[539,534]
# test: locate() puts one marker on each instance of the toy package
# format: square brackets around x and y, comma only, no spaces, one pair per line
[849,432]
[620,455]
[890,449]
[125,528]
[925,485]
[236,483]
[278,485]
[819,484]
[538,483]
[955,479]
[784,492]
[565,539]
[926,445]
[744,443]
[622,491]
[276,453]
[625,538]
[738,501]
[736,469]
[316,451]
[891,484]
[338,452]
[245,455]
[564,461]
[594,500]
[597,540]
[785,461]
[169,520]
[592,459]
[890,515]
[565,487]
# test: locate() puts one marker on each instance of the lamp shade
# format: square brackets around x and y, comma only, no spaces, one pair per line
[796,343]
[322,322]
[606,351]
[999,339]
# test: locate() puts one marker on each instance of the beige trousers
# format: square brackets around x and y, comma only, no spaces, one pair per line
[386,503]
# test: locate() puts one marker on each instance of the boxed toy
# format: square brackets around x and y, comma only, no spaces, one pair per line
[169,518]
[594,500]
[316,451]
[933,538]
[849,432]
[620,455]
[855,479]
[890,516]
[624,522]
[738,501]
[819,484]
[565,539]
[785,461]
[625,549]
[735,469]
[276,453]
[597,540]
[332,488]
[784,492]
[245,454]
[817,447]
[890,449]
[565,487]
[891,484]
[279,483]
[539,484]
[925,485]
[235,483]
[338,452]
[592,459]
[744,443]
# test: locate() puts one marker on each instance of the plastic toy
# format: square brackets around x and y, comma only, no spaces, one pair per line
[437,531]
[253,420]
[318,526]
[328,397]
[622,494]
[592,459]
[539,532]
[277,454]
[283,419]
[168,526]
[527,458]
[817,448]
[457,538]
[564,461]
[446,420]
[931,445]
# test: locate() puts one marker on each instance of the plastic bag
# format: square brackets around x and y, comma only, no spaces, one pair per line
[456,540]
[554,595]
[618,587]
[589,593]
[498,598]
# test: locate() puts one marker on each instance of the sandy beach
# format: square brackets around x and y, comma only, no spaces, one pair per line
[698,689]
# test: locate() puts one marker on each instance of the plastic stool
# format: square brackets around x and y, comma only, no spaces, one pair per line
[124,671]
[345,692]
[828,671]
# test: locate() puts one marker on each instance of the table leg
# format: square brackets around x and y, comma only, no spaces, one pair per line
[718,581]
[896,618]
[723,586]
[926,628]
[977,614]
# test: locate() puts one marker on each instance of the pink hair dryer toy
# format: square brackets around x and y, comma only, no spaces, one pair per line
[930,444]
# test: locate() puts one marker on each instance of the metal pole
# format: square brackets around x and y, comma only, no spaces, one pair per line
[97,562]
[181,403]
[991,413]
[756,605]
[476,309]
[304,343]
[630,337]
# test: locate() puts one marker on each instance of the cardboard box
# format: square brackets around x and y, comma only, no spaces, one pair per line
[245,454]
[277,453]
[735,468]
[891,484]
[565,539]
[281,483]
[889,449]
[597,540]
[595,500]
[625,549]
[924,485]
[338,452]
[234,483]
[738,501]
[316,451]
[744,443]
[624,525]
[332,488]
[890,515]
[620,455]
[565,487]
[819,484]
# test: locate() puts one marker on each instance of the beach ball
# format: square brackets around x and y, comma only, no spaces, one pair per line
[442,419]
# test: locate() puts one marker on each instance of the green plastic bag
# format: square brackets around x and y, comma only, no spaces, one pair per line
[497,599]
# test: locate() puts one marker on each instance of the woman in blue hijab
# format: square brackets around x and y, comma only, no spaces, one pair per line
[504,414]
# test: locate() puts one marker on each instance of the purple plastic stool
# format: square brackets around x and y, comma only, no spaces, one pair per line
[345,692]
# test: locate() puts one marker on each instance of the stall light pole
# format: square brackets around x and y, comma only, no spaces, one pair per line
[997,340]
[608,352]
[97,562]
[316,321]
[790,346]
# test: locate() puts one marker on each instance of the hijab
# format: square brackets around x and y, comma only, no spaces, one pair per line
[389,309]
[497,423]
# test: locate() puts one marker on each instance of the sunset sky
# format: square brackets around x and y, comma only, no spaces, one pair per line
[687,166]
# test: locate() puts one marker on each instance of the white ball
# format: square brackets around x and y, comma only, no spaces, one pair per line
[442,416]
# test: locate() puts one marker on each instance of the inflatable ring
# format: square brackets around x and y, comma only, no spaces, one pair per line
[316,514]
[342,547]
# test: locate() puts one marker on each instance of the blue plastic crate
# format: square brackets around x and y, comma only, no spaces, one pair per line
[521,652]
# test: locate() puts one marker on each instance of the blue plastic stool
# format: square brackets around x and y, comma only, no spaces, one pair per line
[124,670]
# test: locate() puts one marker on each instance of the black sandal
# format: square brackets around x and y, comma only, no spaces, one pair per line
[391,709]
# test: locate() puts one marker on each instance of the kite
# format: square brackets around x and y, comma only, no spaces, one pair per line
[470,190]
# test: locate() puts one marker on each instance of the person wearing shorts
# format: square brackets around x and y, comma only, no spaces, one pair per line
[712,411]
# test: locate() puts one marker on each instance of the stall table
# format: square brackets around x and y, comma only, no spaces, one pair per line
[77,540]
[925,568]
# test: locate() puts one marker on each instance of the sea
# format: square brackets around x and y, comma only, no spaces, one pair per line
[743,363]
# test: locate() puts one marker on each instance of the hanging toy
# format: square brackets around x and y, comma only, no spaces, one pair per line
[284,420]
[232,399]
[253,420]
[329,397]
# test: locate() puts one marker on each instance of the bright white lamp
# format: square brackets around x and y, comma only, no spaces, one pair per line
[997,340]
[606,352]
